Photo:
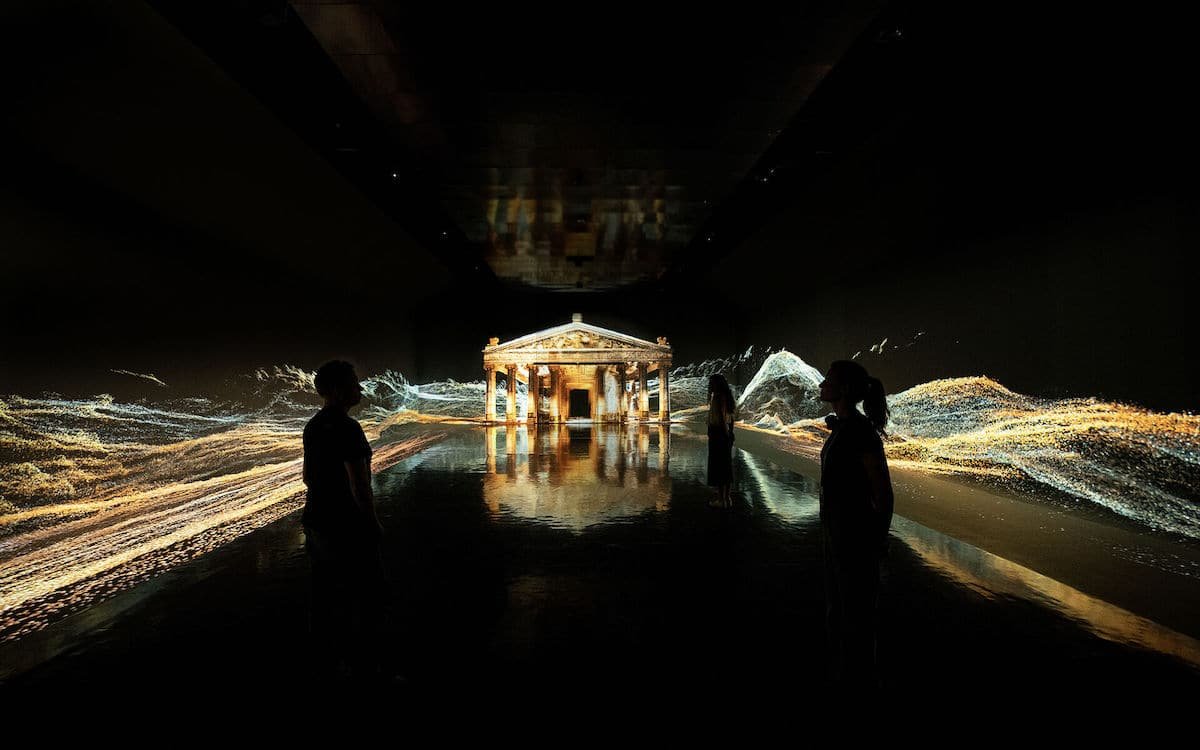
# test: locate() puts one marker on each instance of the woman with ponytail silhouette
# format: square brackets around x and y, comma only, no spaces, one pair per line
[856,512]
[721,416]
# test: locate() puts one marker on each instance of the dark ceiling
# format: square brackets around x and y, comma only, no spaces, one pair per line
[572,154]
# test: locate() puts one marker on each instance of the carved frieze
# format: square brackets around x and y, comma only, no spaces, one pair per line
[576,343]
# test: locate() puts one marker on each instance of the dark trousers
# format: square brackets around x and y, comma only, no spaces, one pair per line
[346,614]
[851,617]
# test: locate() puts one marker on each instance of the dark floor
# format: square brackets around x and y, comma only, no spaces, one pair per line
[590,561]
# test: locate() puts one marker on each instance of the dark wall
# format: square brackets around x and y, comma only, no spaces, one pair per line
[1084,306]
[156,217]
[95,282]
[1021,200]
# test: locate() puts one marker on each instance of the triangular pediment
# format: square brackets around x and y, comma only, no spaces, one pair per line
[576,336]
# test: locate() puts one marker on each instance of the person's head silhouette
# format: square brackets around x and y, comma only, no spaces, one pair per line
[338,384]
[717,383]
[720,395]
[847,383]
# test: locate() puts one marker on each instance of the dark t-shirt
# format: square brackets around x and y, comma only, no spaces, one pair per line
[845,487]
[330,439]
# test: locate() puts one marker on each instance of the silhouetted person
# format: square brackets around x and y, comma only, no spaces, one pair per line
[856,512]
[342,531]
[721,415]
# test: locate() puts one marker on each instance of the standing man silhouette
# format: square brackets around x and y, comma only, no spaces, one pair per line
[342,531]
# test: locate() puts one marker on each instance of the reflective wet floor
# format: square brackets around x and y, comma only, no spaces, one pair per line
[589,559]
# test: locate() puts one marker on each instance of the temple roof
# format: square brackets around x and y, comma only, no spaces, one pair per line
[578,336]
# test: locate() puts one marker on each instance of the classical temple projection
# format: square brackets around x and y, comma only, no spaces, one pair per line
[579,371]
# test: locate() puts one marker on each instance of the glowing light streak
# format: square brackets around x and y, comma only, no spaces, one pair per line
[994,578]
[135,534]
[1141,464]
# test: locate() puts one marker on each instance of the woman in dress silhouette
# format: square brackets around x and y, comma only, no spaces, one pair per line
[721,415]
[856,512]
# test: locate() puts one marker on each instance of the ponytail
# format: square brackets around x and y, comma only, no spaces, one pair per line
[875,403]
[865,388]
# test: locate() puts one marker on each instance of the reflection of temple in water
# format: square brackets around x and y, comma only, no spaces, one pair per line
[577,475]
[579,371]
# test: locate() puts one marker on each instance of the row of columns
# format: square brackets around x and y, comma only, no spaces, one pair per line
[559,407]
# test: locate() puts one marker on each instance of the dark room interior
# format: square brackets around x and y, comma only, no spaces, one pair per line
[570,256]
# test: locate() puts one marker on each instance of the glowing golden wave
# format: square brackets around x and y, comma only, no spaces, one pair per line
[1139,463]
[156,521]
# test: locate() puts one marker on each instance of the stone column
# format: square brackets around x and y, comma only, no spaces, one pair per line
[510,411]
[489,403]
[564,396]
[622,403]
[664,392]
[555,387]
[643,393]
[598,395]
[604,415]
[533,395]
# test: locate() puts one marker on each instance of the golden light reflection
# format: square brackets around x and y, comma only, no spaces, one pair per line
[577,476]
[995,577]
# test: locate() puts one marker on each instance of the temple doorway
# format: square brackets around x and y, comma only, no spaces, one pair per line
[581,405]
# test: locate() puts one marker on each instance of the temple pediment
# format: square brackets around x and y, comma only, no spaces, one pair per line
[578,336]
